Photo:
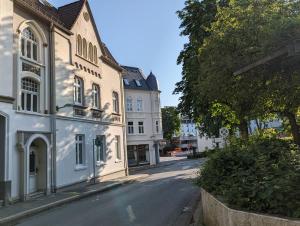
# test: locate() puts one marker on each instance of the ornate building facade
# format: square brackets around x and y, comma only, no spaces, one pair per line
[60,89]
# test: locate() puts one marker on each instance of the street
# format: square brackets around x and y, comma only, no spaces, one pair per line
[153,201]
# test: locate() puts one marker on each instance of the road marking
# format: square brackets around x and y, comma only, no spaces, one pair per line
[130,212]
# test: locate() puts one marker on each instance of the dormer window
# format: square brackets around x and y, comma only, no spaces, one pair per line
[126,82]
[138,83]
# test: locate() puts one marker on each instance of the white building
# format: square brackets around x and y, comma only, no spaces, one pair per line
[60,88]
[143,117]
[191,139]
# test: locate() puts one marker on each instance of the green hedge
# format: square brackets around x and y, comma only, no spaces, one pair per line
[261,176]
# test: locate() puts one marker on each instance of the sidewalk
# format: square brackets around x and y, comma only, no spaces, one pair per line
[15,212]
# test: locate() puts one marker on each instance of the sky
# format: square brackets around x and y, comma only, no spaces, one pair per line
[144,34]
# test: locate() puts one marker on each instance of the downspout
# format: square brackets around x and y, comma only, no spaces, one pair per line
[52,107]
[124,125]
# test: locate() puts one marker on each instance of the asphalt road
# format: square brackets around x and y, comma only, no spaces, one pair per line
[157,200]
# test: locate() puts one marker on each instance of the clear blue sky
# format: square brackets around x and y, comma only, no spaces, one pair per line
[142,33]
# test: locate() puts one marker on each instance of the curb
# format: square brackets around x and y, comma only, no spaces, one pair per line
[12,219]
[190,217]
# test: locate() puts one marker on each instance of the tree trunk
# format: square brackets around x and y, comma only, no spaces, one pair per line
[294,126]
[244,129]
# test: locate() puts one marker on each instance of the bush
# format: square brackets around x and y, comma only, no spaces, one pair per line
[262,175]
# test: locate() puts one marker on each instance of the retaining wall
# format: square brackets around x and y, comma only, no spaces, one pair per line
[216,213]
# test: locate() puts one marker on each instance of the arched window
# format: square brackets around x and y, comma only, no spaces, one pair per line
[95,55]
[30,92]
[29,45]
[129,104]
[79,45]
[91,54]
[96,96]
[84,48]
[115,102]
[78,91]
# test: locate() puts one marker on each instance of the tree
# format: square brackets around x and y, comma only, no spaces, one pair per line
[170,122]
[239,33]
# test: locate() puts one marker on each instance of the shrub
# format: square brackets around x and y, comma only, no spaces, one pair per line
[262,175]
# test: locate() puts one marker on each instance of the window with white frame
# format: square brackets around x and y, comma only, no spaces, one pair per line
[79,142]
[129,104]
[101,150]
[139,104]
[130,127]
[78,91]
[115,102]
[141,127]
[96,96]
[30,92]
[157,126]
[29,45]
[118,147]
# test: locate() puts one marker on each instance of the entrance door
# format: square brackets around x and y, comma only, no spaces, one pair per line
[33,170]
[38,166]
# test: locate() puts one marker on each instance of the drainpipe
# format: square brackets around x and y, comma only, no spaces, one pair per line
[124,125]
[52,107]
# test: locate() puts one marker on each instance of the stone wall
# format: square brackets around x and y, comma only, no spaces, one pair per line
[216,213]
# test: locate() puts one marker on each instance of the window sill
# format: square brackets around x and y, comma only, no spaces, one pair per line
[115,113]
[97,109]
[96,65]
[76,105]
[118,160]
[80,167]
[31,113]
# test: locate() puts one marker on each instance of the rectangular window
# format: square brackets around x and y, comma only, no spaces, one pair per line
[139,105]
[118,147]
[101,149]
[129,104]
[157,126]
[96,96]
[141,127]
[130,128]
[79,140]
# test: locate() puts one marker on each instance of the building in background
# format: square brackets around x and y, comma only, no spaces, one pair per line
[143,117]
[60,89]
[190,138]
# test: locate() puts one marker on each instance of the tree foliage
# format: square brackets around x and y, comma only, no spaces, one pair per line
[226,37]
[170,122]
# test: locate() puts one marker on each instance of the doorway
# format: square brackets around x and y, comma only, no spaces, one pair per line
[38,166]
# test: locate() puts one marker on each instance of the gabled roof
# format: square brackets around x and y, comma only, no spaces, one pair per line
[65,18]
[69,13]
[131,74]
